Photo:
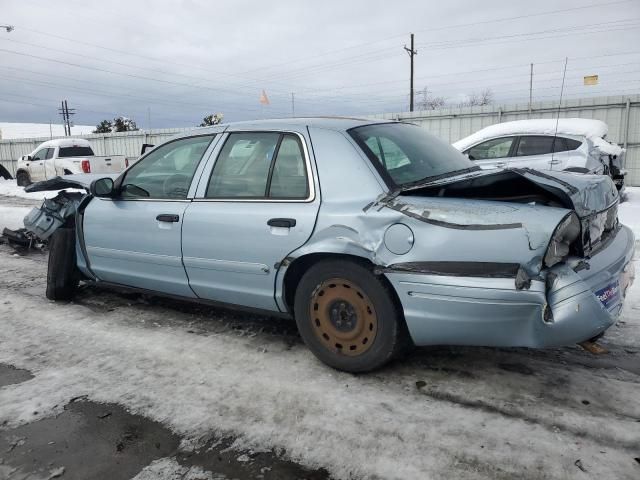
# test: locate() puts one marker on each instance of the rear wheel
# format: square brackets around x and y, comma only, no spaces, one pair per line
[347,317]
[23,179]
[63,275]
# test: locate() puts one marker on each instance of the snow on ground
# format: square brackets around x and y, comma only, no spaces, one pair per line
[169,469]
[478,413]
[629,210]
[12,217]
[446,412]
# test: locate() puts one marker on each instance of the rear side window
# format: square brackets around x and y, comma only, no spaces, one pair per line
[534,145]
[494,148]
[75,151]
[566,144]
[50,153]
[256,165]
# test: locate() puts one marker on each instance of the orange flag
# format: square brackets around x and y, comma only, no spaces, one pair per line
[264,100]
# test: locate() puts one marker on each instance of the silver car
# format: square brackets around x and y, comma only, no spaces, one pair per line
[372,235]
[567,144]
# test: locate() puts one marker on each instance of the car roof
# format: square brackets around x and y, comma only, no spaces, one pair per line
[331,123]
[575,127]
[65,142]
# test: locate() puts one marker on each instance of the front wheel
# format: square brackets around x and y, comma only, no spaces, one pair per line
[23,179]
[63,275]
[348,317]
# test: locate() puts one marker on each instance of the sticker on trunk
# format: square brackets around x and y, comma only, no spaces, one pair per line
[609,296]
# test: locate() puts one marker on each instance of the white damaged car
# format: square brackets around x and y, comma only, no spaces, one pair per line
[573,145]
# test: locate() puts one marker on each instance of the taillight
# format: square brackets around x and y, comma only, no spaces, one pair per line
[86,166]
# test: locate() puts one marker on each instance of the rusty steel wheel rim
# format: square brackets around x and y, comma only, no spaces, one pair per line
[343,317]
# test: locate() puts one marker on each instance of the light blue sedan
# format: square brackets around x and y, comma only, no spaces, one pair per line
[372,235]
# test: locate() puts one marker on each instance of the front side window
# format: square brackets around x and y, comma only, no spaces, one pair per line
[494,148]
[407,153]
[255,165]
[535,145]
[75,151]
[40,154]
[167,171]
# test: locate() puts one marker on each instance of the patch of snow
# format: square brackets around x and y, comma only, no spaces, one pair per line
[594,130]
[12,217]
[170,469]
[629,211]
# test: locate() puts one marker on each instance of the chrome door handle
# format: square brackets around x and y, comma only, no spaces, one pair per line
[554,162]
[501,164]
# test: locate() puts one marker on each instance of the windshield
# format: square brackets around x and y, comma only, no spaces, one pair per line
[407,153]
[75,151]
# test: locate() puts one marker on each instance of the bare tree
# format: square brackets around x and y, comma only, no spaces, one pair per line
[426,101]
[484,97]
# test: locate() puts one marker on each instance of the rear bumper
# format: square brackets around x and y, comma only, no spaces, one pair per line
[451,310]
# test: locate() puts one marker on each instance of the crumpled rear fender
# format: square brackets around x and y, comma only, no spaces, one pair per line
[465,236]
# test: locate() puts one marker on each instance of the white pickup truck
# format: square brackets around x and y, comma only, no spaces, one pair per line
[65,156]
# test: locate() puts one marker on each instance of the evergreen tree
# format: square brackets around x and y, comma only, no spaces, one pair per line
[213,119]
[105,126]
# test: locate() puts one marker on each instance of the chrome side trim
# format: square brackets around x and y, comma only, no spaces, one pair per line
[226,265]
[129,256]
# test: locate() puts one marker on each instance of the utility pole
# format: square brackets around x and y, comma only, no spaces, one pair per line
[66,117]
[293,104]
[530,88]
[412,53]
[148,118]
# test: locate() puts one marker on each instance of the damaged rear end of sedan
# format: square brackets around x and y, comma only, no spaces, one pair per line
[406,242]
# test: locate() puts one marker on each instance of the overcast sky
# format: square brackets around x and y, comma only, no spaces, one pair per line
[170,63]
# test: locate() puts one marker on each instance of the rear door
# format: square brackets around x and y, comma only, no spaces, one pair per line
[492,153]
[135,239]
[535,151]
[255,204]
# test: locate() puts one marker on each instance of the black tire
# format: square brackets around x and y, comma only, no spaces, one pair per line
[23,179]
[321,328]
[63,276]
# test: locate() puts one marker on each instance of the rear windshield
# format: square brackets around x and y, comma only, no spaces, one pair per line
[75,152]
[407,153]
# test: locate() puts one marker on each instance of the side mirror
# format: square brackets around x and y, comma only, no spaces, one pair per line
[26,158]
[103,187]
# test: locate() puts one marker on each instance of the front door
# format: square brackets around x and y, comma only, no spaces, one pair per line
[36,165]
[50,164]
[492,153]
[257,206]
[135,238]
